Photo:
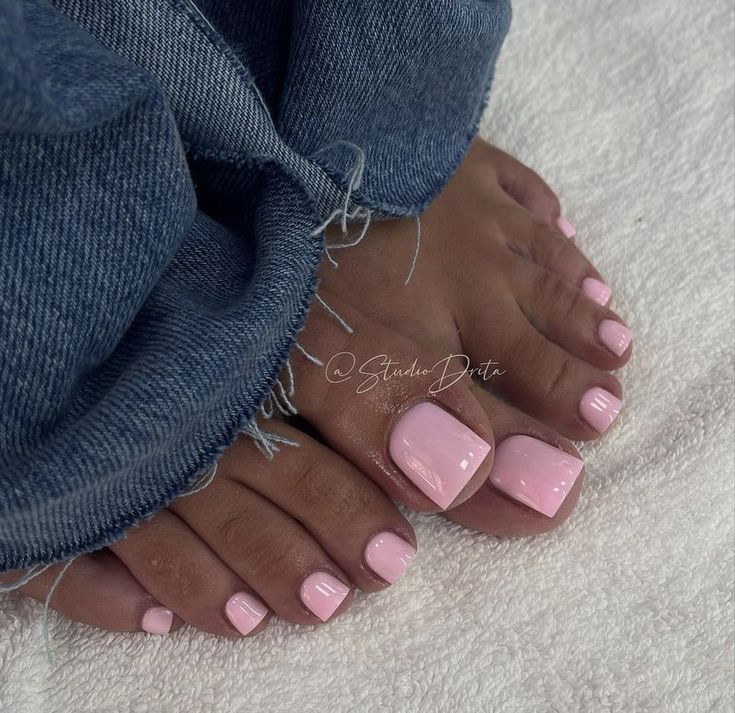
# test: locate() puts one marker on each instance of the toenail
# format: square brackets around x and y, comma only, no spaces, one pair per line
[599,408]
[245,612]
[389,556]
[566,227]
[322,594]
[534,473]
[614,336]
[157,620]
[596,290]
[438,453]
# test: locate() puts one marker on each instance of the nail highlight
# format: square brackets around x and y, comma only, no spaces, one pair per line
[566,227]
[389,556]
[157,620]
[614,336]
[596,290]
[322,594]
[599,408]
[245,612]
[534,473]
[438,453]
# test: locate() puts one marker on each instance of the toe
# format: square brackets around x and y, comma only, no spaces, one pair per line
[527,188]
[174,564]
[269,550]
[538,376]
[566,316]
[345,512]
[543,245]
[374,400]
[535,481]
[99,590]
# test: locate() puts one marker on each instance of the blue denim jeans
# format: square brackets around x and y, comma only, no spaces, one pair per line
[164,167]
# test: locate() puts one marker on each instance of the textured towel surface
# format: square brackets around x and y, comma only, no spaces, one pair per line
[626,108]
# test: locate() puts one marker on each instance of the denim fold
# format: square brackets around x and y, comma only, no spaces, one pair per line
[165,167]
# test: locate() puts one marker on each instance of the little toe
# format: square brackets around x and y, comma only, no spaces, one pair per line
[544,246]
[173,563]
[98,590]
[269,550]
[528,189]
[565,315]
[539,377]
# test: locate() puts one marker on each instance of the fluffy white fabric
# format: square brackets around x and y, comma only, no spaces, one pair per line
[627,109]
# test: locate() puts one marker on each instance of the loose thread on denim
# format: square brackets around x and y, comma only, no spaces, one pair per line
[342,322]
[266,408]
[266,442]
[32,573]
[344,214]
[354,183]
[314,360]
[291,382]
[416,253]
[281,397]
[204,482]
[46,606]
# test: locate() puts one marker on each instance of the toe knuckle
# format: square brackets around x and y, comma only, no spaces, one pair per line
[554,295]
[311,480]
[181,576]
[234,530]
[323,485]
[282,555]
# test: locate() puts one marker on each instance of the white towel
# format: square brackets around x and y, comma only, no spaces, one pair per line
[627,109]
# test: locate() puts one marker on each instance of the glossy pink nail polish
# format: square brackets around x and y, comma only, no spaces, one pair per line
[614,336]
[157,620]
[322,594]
[599,408]
[566,227]
[534,473]
[389,556]
[245,612]
[438,453]
[596,290]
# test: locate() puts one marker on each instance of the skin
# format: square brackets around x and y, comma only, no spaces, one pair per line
[494,279]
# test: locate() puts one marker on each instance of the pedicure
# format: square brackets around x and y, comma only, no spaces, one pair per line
[438,453]
[389,556]
[596,290]
[534,473]
[322,594]
[599,408]
[614,336]
[245,612]
[566,227]
[157,620]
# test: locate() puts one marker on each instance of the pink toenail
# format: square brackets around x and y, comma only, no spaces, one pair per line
[438,453]
[322,594]
[245,612]
[596,290]
[534,473]
[566,227]
[389,556]
[157,620]
[599,408]
[614,336]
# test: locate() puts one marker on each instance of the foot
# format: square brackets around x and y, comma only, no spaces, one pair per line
[497,278]
[295,535]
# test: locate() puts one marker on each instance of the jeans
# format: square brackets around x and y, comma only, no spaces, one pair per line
[164,170]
